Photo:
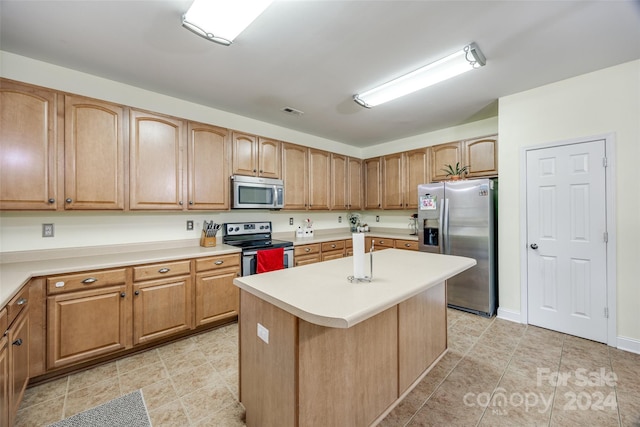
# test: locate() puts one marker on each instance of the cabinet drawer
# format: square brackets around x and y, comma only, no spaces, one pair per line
[160,270]
[16,304]
[348,243]
[306,249]
[333,246]
[86,280]
[217,263]
[379,243]
[411,245]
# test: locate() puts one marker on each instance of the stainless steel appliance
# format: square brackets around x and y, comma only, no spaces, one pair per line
[459,218]
[250,192]
[252,237]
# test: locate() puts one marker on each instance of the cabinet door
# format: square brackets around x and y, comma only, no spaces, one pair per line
[295,176]
[319,179]
[4,382]
[83,325]
[94,154]
[373,191]
[217,298]
[392,183]
[442,155]
[339,182]
[269,154]
[156,162]
[245,154]
[354,199]
[415,173]
[482,157]
[161,308]
[18,342]
[28,147]
[208,153]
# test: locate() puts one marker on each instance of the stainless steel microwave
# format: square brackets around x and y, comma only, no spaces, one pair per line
[250,192]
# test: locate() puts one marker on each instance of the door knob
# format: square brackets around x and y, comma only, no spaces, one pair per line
[534,246]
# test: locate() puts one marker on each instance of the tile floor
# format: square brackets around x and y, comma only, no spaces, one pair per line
[496,373]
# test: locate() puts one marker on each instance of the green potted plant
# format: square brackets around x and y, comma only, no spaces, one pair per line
[455,173]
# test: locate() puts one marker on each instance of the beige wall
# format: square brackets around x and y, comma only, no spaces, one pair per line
[605,101]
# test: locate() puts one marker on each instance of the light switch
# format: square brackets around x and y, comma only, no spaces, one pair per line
[263,333]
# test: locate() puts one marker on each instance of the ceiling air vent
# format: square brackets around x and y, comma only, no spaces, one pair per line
[292,111]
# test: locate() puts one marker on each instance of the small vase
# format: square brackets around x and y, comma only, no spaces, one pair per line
[455,177]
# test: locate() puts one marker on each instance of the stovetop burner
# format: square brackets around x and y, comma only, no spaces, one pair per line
[251,235]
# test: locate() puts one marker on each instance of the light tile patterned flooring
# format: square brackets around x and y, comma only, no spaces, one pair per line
[496,373]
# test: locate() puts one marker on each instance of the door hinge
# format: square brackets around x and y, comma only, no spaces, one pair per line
[604,162]
[605,237]
[606,312]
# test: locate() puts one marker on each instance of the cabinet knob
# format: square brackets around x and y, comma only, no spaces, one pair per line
[219,262]
[333,246]
[17,342]
[408,245]
[21,301]
[136,293]
[89,280]
[254,171]
[191,202]
[180,202]
[164,270]
[51,201]
[69,200]
[122,294]
[307,249]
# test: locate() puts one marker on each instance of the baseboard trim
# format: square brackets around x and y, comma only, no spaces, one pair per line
[510,315]
[628,344]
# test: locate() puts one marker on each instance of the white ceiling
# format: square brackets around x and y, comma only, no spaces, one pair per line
[315,55]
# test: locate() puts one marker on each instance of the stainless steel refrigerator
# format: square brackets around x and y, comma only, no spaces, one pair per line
[459,218]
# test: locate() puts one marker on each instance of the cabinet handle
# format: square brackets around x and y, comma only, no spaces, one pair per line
[307,249]
[254,171]
[261,171]
[21,301]
[89,280]
[164,270]
[51,201]
[136,293]
[180,202]
[333,246]
[69,200]
[381,242]
[123,294]
[191,202]
[408,245]
[17,342]
[219,262]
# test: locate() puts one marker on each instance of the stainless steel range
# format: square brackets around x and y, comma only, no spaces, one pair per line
[252,237]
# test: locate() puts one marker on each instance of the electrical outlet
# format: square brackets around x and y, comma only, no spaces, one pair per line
[189,225]
[47,230]
[339,219]
[290,221]
[377,218]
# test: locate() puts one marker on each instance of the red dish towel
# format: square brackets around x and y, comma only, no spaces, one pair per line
[270,260]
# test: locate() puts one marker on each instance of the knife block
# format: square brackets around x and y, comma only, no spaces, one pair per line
[207,242]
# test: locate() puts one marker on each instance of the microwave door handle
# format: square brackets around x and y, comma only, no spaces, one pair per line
[275,196]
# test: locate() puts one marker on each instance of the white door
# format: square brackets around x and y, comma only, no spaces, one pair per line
[566,234]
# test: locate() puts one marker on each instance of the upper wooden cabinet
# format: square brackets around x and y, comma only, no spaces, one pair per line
[346,182]
[156,162]
[482,156]
[93,154]
[445,154]
[319,179]
[295,176]
[402,173]
[28,147]
[256,156]
[354,183]
[372,179]
[479,155]
[208,152]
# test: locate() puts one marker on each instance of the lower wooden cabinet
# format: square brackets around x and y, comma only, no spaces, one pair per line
[410,245]
[83,325]
[18,367]
[332,250]
[161,308]
[307,254]
[378,243]
[4,382]
[217,298]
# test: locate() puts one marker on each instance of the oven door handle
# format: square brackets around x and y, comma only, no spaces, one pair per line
[249,253]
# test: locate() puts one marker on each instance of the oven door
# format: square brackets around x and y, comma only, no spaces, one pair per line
[250,260]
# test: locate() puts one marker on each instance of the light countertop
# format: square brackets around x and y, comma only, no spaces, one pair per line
[13,275]
[321,294]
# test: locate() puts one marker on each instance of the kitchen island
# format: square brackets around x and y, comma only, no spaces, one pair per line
[316,349]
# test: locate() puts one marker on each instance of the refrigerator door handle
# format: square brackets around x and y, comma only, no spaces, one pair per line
[446,246]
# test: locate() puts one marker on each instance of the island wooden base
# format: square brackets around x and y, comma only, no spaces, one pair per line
[311,375]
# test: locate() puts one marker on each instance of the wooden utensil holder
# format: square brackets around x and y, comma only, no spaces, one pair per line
[207,242]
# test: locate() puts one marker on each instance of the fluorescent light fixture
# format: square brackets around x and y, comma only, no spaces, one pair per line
[464,60]
[222,20]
